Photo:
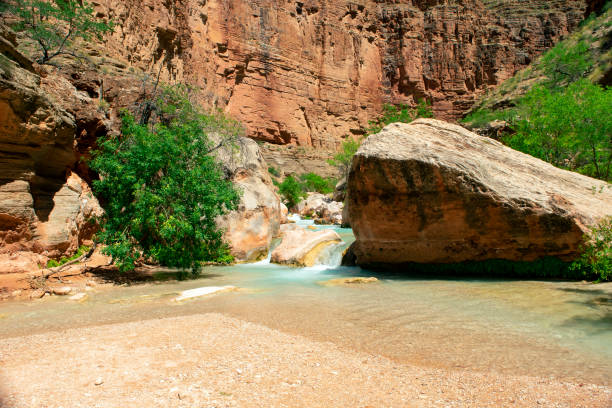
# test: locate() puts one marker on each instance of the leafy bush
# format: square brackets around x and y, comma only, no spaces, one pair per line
[314,182]
[391,114]
[291,190]
[162,188]
[569,127]
[54,25]
[83,249]
[596,259]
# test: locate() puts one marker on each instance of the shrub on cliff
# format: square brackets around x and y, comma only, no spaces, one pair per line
[161,187]
[391,114]
[55,24]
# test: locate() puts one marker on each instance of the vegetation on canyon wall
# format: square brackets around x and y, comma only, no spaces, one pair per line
[390,114]
[162,188]
[556,110]
[55,25]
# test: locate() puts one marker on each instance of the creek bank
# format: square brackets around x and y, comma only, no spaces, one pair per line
[430,192]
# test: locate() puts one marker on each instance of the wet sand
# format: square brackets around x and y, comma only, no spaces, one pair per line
[211,360]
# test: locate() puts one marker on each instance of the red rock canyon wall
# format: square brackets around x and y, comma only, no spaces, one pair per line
[310,72]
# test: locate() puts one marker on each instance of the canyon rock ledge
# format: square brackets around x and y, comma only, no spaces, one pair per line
[433,192]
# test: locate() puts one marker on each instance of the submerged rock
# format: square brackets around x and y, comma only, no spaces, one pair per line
[349,281]
[300,247]
[433,192]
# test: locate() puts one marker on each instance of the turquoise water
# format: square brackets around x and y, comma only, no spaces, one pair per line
[543,328]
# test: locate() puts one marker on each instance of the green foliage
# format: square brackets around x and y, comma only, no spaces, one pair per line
[569,127]
[80,252]
[314,182]
[162,188]
[342,160]
[482,117]
[566,63]
[291,190]
[391,114]
[55,24]
[273,171]
[400,114]
[596,259]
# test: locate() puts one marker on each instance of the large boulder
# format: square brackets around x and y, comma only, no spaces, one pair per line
[434,192]
[249,229]
[301,247]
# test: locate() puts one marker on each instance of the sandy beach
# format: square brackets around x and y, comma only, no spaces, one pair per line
[210,360]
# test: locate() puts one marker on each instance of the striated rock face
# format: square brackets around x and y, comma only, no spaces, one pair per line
[433,192]
[44,208]
[308,73]
[300,247]
[250,229]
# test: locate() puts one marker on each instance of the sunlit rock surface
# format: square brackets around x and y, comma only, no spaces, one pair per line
[434,192]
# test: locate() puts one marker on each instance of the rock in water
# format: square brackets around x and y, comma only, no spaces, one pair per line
[300,247]
[433,192]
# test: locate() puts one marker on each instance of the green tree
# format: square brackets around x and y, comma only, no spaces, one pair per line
[162,188]
[568,127]
[391,114]
[55,24]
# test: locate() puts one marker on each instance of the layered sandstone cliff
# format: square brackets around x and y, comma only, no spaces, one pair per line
[310,72]
[44,206]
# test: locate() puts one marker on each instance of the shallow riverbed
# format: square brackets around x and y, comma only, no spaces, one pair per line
[539,328]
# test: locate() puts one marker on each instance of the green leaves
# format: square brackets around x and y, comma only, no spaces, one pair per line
[568,127]
[163,190]
[596,259]
[291,190]
[55,24]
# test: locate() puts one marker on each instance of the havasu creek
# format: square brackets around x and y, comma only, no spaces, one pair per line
[263,203]
[475,339]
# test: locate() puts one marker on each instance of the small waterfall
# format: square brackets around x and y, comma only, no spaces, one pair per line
[331,256]
[266,261]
